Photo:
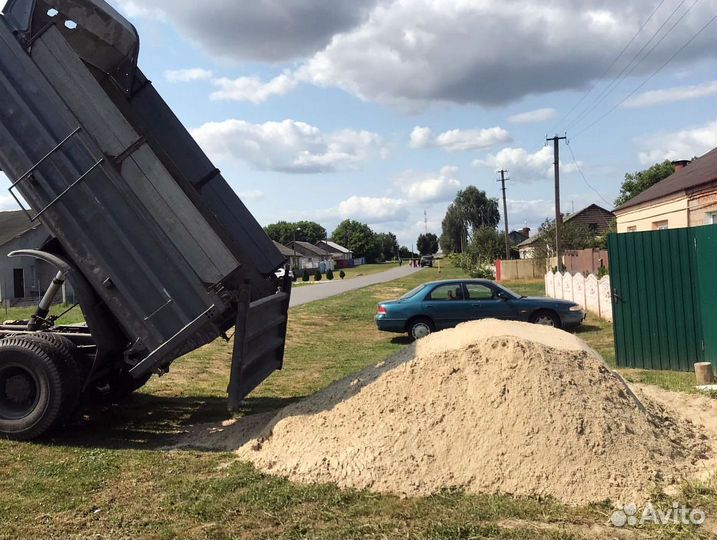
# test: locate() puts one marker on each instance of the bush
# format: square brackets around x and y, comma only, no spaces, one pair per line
[305,276]
[317,275]
[482,271]
[329,274]
[602,271]
[342,274]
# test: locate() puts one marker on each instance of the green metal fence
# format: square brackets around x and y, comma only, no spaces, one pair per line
[665,297]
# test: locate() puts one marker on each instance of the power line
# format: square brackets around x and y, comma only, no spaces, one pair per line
[612,64]
[577,166]
[643,83]
[632,65]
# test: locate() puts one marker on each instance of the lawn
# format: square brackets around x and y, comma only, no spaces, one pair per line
[112,476]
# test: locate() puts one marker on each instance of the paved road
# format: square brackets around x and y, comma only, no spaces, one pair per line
[311,293]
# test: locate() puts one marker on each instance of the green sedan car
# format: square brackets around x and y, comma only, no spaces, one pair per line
[444,304]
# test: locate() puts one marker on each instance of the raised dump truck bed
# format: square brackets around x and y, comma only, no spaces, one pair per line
[162,254]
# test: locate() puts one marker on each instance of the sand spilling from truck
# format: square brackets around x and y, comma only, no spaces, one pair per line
[486,407]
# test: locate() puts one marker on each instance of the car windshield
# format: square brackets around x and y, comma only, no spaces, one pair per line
[413,292]
[507,290]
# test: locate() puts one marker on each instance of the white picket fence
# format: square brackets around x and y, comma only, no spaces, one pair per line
[590,292]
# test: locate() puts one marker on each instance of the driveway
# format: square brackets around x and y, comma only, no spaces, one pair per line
[311,293]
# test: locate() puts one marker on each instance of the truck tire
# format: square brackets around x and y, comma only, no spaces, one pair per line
[62,350]
[35,389]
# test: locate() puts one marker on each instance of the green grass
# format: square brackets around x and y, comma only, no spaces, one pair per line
[113,477]
[24,313]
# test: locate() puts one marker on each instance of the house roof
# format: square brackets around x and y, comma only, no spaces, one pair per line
[311,248]
[587,208]
[530,241]
[285,251]
[334,246]
[700,171]
[14,224]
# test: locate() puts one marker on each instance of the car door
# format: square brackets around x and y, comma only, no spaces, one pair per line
[485,304]
[446,305]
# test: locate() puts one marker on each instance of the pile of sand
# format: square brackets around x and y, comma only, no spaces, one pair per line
[490,406]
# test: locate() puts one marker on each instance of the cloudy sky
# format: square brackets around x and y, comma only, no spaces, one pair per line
[379,110]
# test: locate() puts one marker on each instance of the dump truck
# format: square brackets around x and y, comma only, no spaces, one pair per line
[161,253]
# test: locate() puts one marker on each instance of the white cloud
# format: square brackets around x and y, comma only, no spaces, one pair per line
[411,53]
[372,209]
[187,75]
[252,88]
[137,10]
[532,117]
[672,95]
[455,140]
[288,146]
[431,187]
[683,144]
[420,137]
[524,166]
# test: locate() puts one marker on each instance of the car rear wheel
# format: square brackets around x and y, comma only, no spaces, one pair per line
[545,318]
[420,328]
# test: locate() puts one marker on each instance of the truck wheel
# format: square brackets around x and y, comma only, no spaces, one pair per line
[61,350]
[34,390]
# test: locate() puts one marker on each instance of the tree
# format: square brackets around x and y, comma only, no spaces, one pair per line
[471,210]
[358,237]
[637,182]
[388,245]
[476,209]
[453,231]
[427,244]
[573,235]
[487,245]
[305,231]
[405,253]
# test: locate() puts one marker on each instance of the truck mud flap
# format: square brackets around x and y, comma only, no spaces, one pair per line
[258,341]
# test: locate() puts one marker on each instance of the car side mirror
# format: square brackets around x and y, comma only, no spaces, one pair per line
[503,296]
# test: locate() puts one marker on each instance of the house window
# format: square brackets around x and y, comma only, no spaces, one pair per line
[710,218]
[593,227]
[659,225]
[632,228]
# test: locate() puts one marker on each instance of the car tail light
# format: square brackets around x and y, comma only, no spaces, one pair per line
[381,310]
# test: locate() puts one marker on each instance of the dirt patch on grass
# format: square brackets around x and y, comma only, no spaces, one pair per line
[488,407]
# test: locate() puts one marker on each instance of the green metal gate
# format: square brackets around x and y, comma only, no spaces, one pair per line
[664,286]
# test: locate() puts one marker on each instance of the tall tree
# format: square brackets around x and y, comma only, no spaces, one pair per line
[476,209]
[427,244]
[637,182]
[453,230]
[305,231]
[388,245]
[358,237]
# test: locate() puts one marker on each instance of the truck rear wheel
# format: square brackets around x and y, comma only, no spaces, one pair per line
[36,389]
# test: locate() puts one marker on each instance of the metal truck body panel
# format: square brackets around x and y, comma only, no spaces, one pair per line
[170,255]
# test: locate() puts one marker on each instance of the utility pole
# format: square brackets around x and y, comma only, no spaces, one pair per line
[558,216]
[425,220]
[505,213]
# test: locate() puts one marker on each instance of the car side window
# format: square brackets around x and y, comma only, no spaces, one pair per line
[479,292]
[446,293]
